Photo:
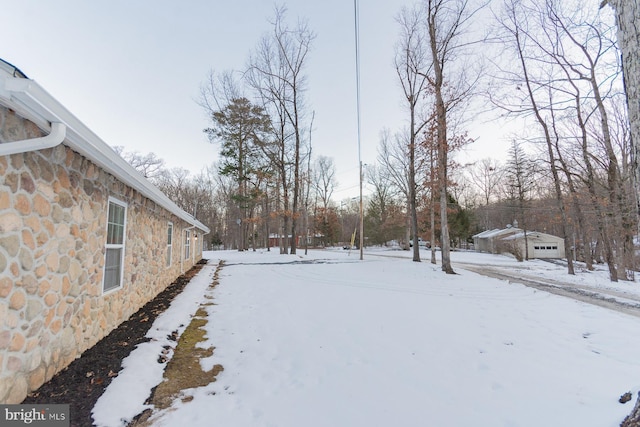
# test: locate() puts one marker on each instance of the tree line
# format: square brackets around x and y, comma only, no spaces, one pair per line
[554,66]
[556,69]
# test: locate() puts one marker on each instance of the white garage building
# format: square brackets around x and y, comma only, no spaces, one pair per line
[512,240]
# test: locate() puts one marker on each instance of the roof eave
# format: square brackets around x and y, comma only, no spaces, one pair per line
[29,99]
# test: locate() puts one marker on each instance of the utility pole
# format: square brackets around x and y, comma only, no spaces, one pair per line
[357,30]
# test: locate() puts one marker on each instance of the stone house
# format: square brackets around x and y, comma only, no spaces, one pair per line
[512,240]
[85,240]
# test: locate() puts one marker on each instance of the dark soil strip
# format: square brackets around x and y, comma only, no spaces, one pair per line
[82,382]
[633,419]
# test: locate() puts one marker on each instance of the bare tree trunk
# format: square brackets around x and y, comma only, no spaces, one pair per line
[285,219]
[411,63]
[627,20]
[409,223]
[591,186]
[296,180]
[579,215]
[560,201]
[412,197]
[613,180]
[602,228]
[441,132]
[433,224]
[265,215]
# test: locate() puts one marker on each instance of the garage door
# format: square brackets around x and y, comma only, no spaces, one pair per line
[546,250]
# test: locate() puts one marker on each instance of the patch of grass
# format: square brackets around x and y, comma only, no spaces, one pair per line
[184,370]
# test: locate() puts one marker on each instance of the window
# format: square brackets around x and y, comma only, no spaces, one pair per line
[169,240]
[114,254]
[546,247]
[187,244]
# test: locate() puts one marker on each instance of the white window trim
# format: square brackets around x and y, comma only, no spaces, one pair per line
[115,246]
[187,244]
[170,246]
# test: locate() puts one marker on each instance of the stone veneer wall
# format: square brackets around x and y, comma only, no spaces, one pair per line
[53,206]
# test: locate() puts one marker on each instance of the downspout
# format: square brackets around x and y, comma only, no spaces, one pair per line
[55,137]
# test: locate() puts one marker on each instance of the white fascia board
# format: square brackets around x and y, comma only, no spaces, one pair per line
[28,98]
[486,233]
[536,235]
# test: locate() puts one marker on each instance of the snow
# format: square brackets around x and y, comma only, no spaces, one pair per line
[328,340]
[125,396]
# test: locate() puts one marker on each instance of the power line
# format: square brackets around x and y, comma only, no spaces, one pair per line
[356,16]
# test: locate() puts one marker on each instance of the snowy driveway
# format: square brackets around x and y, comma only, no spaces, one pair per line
[327,340]
[624,301]
[593,287]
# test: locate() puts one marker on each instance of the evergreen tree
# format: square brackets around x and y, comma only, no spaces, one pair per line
[240,127]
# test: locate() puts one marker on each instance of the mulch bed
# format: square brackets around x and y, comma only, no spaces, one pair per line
[82,382]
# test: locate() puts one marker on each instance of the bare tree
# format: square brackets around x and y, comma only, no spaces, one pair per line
[514,28]
[384,218]
[486,175]
[448,20]
[276,72]
[323,181]
[192,194]
[394,162]
[172,183]
[413,64]
[226,186]
[149,165]
[592,43]
[567,74]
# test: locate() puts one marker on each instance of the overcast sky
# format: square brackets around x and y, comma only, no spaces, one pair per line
[132,70]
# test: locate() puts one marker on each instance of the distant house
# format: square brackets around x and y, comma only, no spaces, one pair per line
[85,240]
[512,240]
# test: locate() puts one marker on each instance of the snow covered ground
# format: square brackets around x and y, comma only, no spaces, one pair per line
[328,340]
[549,271]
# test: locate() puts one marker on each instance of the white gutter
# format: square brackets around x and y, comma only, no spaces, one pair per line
[31,101]
[57,135]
